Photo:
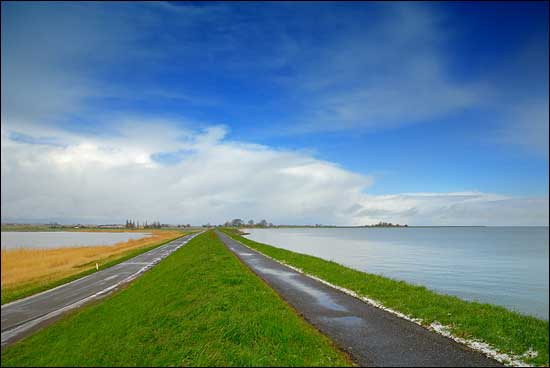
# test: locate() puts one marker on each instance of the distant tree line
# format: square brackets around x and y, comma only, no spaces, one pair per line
[386,224]
[240,223]
[132,224]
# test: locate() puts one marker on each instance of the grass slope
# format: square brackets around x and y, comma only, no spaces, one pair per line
[198,307]
[508,331]
[24,289]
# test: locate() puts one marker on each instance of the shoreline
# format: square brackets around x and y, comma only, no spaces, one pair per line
[499,266]
[372,335]
[502,334]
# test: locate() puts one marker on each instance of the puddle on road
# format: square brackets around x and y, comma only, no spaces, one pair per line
[247,254]
[322,298]
[274,272]
[348,321]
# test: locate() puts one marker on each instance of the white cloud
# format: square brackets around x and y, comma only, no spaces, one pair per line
[388,73]
[521,100]
[56,57]
[461,208]
[89,180]
[527,125]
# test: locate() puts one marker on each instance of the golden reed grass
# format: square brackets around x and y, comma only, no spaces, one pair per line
[28,266]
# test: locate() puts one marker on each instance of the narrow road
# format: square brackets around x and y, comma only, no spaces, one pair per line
[22,317]
[372,336]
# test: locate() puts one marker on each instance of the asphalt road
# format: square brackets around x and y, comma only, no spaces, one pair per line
[371,335]
[24,316]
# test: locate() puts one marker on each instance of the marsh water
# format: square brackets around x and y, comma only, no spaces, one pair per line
[63,239]
[507,266]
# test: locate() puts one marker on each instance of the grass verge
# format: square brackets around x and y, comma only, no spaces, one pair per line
[198,307]
[507,331]
[23,289]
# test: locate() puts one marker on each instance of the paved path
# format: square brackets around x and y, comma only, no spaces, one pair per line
[22,317]
[372,336]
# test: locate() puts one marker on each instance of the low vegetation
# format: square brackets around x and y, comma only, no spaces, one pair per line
[198,307]
[29,271]
[508,331]
[27,227]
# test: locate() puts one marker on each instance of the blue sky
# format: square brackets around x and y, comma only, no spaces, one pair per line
[382,105]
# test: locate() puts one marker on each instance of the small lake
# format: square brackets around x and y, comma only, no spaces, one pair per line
[507,266]
[63,239]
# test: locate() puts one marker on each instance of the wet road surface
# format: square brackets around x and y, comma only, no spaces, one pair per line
[372,336]
[24,316]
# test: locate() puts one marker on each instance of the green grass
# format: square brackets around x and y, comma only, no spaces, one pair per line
[10,295]
[199,307]
[508,331]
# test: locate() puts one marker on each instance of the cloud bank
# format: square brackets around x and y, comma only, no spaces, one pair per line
[156,170]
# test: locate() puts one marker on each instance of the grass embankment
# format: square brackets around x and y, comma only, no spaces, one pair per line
[30,271]
[198,307]
[507,331]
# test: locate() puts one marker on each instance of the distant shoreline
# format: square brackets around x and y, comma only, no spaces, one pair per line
[384,227]
[69,227]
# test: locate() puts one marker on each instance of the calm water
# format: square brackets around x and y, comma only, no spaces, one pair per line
[59,239]
[507,266]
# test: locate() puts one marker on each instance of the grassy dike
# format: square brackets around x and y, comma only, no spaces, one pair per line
[198,307]
[27,289]
[507,331]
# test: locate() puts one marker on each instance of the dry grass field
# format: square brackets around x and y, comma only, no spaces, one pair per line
[24,268]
